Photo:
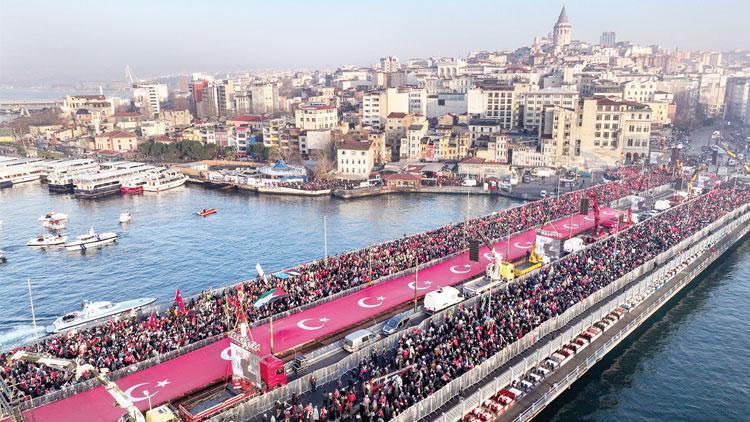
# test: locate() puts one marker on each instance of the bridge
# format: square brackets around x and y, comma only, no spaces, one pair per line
[23,107]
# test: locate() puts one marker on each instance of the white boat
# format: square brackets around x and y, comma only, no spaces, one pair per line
[125,217]
[53,216]
[164,180]
[54,224]
[94,311]
[47,240]
[90,240]
[15,175]
[2,257]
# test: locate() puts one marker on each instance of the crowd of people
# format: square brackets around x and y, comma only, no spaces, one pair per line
[424,361]
[319,184]
[125,341]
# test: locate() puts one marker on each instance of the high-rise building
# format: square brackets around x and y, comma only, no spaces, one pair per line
[389,64]
[608,39]
[149,97]
[737,107]
[561,31]
[265,98]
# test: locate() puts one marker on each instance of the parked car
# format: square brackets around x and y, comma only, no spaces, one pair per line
[543,194]
[359,339]
[397,322]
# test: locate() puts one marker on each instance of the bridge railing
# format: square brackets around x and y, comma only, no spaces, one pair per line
[436,401]
[568,334]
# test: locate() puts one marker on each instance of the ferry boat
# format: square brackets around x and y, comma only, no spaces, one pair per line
[54,224]
[164,180]
[93,311]
[10,176]
[107,182]
[62,167]
[206,212]
[134,185]
[90,240]
[47,240]
[53,216]
[125,217]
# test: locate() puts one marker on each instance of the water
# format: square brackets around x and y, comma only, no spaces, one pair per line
[689,364]
[167,246]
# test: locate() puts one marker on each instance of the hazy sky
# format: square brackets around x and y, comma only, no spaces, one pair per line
[76,39]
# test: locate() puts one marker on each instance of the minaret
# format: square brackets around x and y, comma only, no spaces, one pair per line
[561,31]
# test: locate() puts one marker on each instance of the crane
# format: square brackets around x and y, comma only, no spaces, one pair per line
[72,366]
[131,77]
[733,155]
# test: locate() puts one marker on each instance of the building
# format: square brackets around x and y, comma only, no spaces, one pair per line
[99,105]
[117,140]
[148,97]
[496,100]
[224,98]
[445,103]
[265,98]
[534,102]
[390,64]
[561,32]
[355,159]
[177,117]
[316,117]
[608,39]
[737,108]
[402,180]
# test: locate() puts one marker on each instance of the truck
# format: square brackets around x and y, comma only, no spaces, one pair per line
[442,298]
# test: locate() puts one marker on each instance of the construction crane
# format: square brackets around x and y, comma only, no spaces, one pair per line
[121,399]
[733,155]
[131,77]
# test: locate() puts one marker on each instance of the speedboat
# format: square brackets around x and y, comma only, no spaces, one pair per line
[206,212]
[125,217]
[94,311]
[53,216]
[54,224]
[89,240]
[47,240]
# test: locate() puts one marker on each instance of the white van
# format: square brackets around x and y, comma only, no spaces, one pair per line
[359,339]
[469,182]
[542,172]
[442,298]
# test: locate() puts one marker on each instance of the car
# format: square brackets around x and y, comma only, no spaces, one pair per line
[397,322]
[543,194]
[359,339]
[469,182]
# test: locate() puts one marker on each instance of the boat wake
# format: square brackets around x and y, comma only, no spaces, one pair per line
[20,334]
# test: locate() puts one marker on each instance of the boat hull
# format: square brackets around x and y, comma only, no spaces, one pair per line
[82,246]
[98,192]
[165,186]
[131,189]
[66,188]
[5,184]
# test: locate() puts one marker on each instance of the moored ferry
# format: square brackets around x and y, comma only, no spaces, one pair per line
[107,182]
[57,169]
[164,180]
[14,175]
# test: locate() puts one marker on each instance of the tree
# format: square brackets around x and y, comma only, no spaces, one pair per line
[274,154]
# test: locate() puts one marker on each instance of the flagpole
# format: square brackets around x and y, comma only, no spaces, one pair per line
[416,283]
[33,314]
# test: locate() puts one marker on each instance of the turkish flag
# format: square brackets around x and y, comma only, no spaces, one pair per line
[180,304]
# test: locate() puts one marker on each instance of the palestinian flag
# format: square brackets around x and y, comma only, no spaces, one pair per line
[268,297]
